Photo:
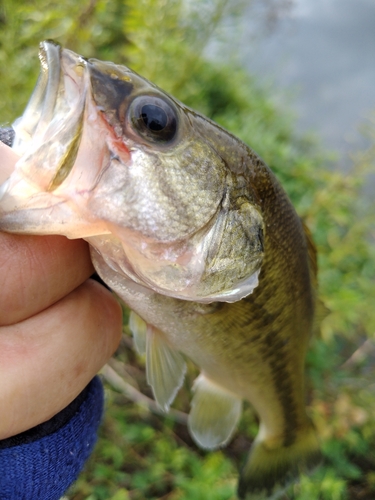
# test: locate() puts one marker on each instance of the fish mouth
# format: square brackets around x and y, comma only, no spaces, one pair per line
[51,125]
[42,103]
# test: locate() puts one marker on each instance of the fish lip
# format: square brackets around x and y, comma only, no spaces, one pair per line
[52,123]
[50,62]
[41,105]
[56,67]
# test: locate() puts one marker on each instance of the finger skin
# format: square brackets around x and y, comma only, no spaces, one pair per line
[8,159]
[48,359]
[37,271]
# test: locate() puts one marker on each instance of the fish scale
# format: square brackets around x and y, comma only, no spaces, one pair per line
[190,228]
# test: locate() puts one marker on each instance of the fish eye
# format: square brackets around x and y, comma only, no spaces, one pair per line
[153,118]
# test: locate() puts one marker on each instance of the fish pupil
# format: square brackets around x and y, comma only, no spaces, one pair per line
[154,117]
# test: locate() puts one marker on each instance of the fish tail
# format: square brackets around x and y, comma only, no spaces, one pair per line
[270,469]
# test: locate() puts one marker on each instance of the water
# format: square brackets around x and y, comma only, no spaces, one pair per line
[324,50]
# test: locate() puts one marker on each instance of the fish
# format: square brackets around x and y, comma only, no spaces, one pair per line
[194,233]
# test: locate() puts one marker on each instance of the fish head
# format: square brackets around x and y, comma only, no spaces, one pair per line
[107,156]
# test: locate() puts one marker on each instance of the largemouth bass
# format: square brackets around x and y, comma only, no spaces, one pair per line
[191,229]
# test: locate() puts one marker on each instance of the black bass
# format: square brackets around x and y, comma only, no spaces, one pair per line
[194,233]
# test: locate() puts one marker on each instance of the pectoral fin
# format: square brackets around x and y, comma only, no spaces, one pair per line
[165,368]
[214,414]
[138,327]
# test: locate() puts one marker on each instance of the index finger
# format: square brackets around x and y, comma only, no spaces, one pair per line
[37,271]
[8,159]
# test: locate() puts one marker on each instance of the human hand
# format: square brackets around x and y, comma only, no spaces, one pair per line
[57,327]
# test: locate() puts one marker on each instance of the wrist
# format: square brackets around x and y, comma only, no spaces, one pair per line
[44,461]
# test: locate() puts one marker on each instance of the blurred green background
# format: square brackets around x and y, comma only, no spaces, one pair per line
[142,455]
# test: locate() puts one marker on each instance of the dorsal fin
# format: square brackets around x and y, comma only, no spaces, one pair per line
[312,253]
[321,310]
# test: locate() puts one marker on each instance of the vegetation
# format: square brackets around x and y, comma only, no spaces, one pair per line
[142,455]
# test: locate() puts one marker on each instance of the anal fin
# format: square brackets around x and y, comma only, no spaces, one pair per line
[165,368]
[214,414]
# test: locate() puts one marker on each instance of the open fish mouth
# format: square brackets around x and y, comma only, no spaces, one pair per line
[37,197]
[50,128]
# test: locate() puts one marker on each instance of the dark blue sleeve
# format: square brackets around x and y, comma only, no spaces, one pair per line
[40,464]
